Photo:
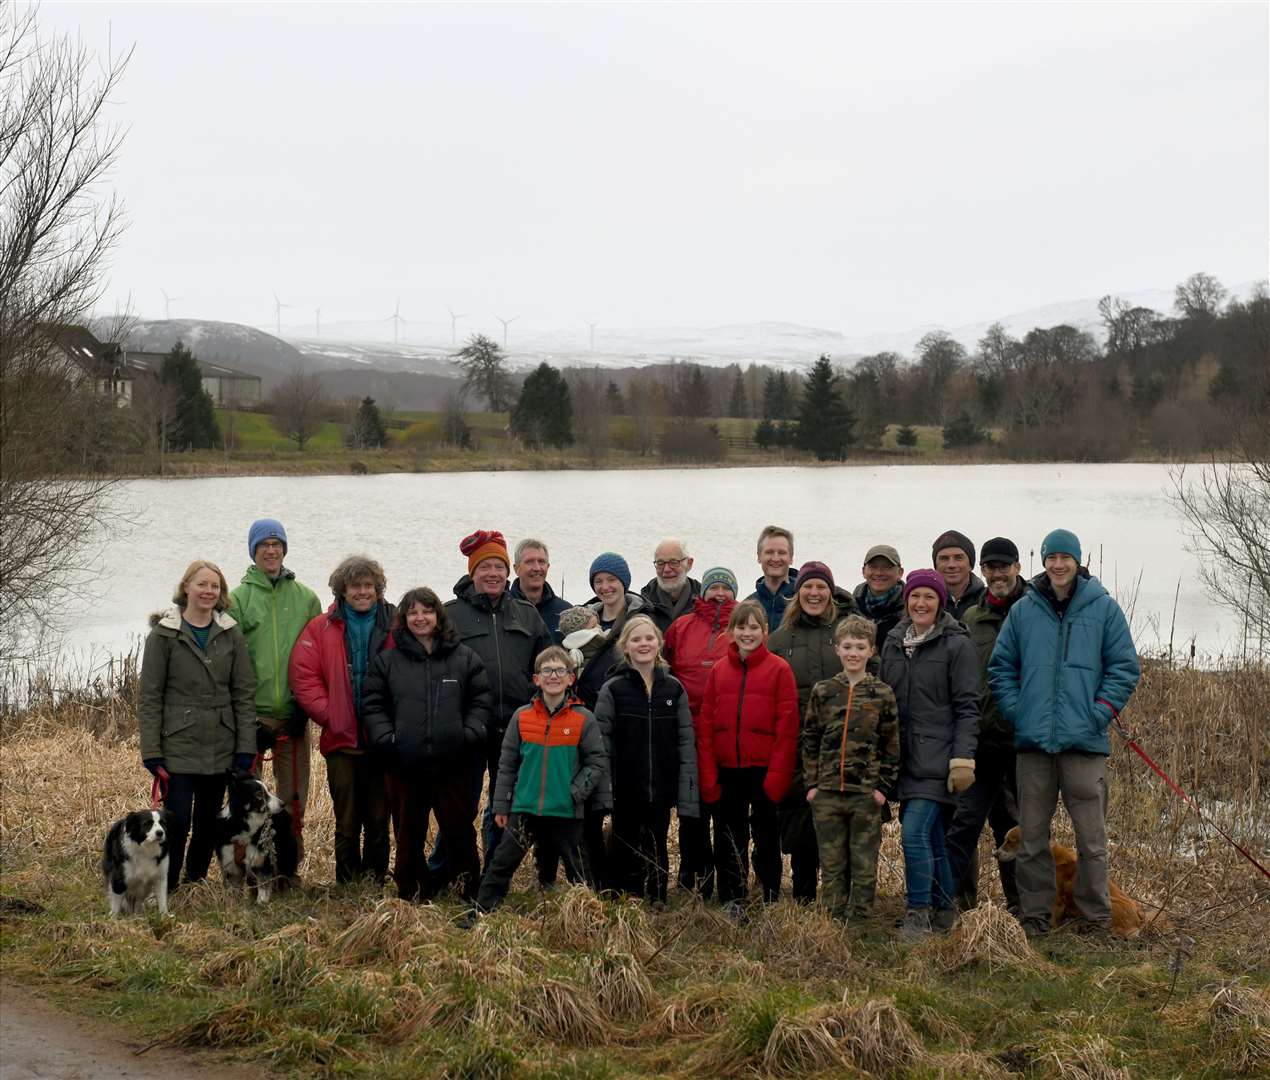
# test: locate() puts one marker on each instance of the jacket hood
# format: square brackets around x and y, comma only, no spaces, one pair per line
[465,590]
[409,644]
[383,610]
[1088,589]
[257,577]
[547,592]
[761,582]
[580,637]
[170,619]
[635,604]
[759,654]
[708,610]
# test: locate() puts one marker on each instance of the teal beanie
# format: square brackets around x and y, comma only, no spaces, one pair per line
[1060,540]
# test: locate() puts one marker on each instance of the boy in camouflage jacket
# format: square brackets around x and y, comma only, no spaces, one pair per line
[851,757]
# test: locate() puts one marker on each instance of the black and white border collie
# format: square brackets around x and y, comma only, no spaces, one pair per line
[254,841]
[134,864]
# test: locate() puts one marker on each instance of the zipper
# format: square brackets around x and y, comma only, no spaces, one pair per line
[546,745]
[650,743]
[740,702]
[273,611]
[498,659]
[842,748]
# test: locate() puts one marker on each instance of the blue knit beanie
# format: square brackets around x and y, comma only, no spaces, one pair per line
[610,562]
[1060,540]
[265,529]
[719,575]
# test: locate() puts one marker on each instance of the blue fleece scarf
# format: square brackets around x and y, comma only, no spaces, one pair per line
[357,628]
[879,604]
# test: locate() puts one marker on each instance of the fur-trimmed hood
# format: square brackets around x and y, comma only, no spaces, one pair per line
[171,619]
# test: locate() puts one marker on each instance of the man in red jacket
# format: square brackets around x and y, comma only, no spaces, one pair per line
[694,644]
[327,666]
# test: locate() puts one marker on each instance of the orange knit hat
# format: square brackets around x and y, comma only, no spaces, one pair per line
[484,544]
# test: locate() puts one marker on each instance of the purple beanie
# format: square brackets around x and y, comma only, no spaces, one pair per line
[930,579]
[810,571]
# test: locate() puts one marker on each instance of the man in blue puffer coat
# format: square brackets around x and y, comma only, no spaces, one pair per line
[1063,665]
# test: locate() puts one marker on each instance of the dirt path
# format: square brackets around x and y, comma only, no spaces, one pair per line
[38,1040]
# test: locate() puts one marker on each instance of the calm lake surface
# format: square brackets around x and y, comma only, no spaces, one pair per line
[413,523]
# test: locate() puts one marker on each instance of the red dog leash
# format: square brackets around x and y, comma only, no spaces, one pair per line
[297,821]
[159,789]
[1180,793]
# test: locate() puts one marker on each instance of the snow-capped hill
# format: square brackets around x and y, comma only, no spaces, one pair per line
[233,344]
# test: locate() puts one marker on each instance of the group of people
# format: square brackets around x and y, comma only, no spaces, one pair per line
[782,723]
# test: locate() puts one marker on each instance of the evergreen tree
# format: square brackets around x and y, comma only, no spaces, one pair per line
[194,416]
[737,405]
[906,436]
[544,414]
[824,420]
[961,430]
[368,428]
[765,434]
[615,402]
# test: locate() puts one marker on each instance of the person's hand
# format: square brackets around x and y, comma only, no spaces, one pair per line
[811,794]
[243,763]
[961,774]
[878,797]
[153,765]
[500,820]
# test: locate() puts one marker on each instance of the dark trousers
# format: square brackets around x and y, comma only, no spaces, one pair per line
[490,832]
[992,798]
[523,832]
[360,800]
[641,858]
[193,799]
[696,857]
[743,811]
[798,841]
[592,851]
[411,801]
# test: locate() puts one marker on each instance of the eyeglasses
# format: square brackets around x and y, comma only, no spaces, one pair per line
[554,672]
[664,564]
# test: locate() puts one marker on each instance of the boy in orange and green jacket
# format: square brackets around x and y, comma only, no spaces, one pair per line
[553,761]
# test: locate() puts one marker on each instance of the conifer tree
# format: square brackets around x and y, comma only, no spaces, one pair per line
[544,414]
[368,427]
[194,425]
[824,420]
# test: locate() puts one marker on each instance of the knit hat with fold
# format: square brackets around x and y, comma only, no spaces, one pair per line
[484,544]
[610,562]
[927,579]
[262,530]
[718,575]
[1062,541]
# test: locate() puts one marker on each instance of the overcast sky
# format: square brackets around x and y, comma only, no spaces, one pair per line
[860,168]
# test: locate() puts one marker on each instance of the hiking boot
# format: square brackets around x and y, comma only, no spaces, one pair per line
[468,919]
[1036,928]
[943,919]
[916,925]
[1091,928]
[735,910]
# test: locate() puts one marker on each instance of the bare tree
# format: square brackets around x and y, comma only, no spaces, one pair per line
[57,228]
[298,407]
[1226,510]
[588,388]
[485,370]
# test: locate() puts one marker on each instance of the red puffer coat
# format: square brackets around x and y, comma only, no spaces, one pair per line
[749,717]
[695,643]
[319,676]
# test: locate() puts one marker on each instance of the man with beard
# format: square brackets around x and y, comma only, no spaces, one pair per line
[953,554]
[992,797]
[531,565]
[671,593]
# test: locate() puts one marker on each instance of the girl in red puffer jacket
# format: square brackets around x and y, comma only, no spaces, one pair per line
[746,749]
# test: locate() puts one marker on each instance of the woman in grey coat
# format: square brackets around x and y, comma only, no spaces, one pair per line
[196,711]
[931,664]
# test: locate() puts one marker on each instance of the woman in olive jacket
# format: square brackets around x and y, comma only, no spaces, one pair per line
[196,712]
[426,706]
[804,640]
[931,664]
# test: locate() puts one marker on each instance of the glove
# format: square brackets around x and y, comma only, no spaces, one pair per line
[153,765]
[776,787]
[711,795]
[266,738]
[961,774]
[243,763]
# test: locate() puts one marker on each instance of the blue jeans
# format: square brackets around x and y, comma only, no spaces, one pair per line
[928,879]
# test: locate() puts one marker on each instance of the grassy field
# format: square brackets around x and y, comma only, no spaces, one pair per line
[344,982]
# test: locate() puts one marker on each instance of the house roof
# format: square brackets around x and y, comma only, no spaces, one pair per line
[79,343]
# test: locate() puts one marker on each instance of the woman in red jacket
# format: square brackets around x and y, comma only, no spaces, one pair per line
[746,752]
[328,663]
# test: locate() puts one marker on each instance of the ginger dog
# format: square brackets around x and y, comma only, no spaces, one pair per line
[1126,915]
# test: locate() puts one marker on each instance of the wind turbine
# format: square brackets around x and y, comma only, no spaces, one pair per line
[396,320]
[506,323]
[278,305]
[317,322]
[167,304]
[454,321]
[593,325]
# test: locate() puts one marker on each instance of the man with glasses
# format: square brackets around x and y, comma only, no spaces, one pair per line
[671,593]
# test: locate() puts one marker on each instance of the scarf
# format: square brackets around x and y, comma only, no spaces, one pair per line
[912,639]
[357,628]
[878,605]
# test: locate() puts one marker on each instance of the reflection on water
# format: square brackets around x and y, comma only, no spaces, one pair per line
[413,523]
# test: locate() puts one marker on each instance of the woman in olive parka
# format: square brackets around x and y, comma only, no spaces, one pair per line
[196,711]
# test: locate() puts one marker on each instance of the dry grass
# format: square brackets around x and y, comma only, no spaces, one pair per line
[390,932]
[621,989]
[1083,1059]
[987,935]
[1239,1027]
[564,1013]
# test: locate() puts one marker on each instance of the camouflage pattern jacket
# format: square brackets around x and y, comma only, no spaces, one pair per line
[851,736]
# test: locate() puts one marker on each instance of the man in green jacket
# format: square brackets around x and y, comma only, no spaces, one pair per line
[272,608]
